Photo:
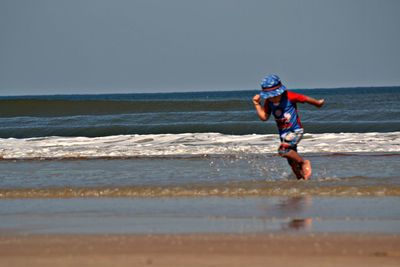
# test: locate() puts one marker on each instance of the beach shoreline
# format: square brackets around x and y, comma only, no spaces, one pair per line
[267,249]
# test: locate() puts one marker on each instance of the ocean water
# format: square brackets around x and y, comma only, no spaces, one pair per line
[201,151]
[355,110]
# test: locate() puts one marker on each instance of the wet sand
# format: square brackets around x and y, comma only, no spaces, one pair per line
[272,249]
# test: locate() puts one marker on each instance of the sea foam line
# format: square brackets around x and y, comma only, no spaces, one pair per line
[190,144]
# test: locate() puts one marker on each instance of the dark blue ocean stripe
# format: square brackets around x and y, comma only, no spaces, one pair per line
[49,108]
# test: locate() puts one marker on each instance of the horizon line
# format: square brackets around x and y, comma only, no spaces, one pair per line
[185,92]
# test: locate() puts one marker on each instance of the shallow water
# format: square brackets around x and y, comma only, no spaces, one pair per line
[245,175]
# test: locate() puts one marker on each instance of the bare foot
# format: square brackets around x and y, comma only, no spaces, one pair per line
[306,169]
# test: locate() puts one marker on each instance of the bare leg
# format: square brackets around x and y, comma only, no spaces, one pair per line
[296,168]
[305,164]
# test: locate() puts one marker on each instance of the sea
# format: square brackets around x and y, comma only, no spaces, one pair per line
[195,162]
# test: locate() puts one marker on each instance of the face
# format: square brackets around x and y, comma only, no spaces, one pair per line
[275,99]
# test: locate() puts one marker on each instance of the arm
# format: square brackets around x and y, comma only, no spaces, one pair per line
[260,110]
[305,99]
[315,102]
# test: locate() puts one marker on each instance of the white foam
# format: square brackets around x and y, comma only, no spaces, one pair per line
[190,144]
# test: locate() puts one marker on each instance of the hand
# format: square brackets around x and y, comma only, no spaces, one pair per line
[256,99]
[320,103]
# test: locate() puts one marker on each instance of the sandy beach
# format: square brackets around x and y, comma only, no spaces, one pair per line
[201,250]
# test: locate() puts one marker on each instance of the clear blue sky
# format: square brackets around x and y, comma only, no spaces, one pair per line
[122,46]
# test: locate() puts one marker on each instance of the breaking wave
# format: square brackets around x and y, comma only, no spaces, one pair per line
[190,145]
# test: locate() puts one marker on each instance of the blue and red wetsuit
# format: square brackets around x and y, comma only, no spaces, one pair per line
[287,119]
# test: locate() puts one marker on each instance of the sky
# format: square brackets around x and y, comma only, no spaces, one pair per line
[132,46]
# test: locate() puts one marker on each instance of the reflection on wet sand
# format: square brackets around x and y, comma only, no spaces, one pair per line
[297,204]
[299,224]
[293,208]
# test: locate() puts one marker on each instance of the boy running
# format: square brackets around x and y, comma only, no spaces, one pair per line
[282,104]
